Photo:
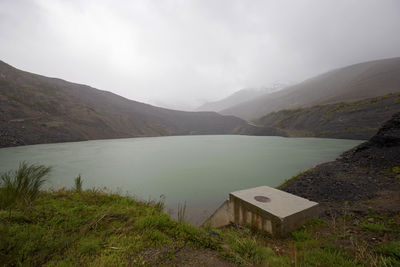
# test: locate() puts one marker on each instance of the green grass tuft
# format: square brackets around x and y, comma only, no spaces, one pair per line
[22,186]
[78,183]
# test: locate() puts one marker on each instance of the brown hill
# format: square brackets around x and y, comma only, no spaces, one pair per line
[36,109]
[350,120]
[355,82]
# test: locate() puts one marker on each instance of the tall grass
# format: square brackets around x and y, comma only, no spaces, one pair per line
[78,183]
[182,212]
[22,185]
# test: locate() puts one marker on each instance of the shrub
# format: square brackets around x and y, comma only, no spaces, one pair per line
[22,185]
[78,183]
[250,250]
[301,235]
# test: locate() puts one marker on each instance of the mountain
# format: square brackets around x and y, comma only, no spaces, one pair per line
[350,120]
[238,97]
[36,109]
[355,82]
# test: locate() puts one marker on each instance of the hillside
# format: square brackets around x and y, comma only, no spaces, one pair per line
[237,98]
[36,109]
[355,82]
[348,120]
[365,175]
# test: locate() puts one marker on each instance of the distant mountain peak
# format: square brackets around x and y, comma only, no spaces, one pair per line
[350,83]
[238,97]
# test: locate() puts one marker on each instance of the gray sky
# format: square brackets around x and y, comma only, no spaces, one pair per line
[181,53]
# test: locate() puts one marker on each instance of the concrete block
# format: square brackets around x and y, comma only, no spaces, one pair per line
[266,208]
[271,210]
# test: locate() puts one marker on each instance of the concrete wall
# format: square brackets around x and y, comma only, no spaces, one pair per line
[222,216]
[245,213]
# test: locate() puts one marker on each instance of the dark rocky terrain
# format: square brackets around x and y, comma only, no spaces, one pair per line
[36,109]
[351,83]
[349,120]
[363,178]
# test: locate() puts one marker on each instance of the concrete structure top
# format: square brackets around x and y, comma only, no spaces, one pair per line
[274,201]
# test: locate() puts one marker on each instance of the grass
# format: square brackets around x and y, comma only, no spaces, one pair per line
[100,228]
[92,228]
[392,250]
[374,226]
[78,183]
[22,185]
[182,212]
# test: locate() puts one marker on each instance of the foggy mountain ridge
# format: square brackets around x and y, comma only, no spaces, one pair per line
[238,97]
[36,109]
[358,120]
[354,82]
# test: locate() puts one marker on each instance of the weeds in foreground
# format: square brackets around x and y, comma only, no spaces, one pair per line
[22,185]
[78,183]
[182,212]
[94,229]
[159,205]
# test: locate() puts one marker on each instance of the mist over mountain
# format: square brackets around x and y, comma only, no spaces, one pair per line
[36,109]
[238,97]
[355,82]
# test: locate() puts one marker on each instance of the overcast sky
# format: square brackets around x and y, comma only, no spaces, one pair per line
[181,53]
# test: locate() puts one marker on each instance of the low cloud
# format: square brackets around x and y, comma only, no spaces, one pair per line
[181,53]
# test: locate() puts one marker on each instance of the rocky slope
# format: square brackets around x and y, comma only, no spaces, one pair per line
[351,83]
[351,120]
[364,178]
[36,109]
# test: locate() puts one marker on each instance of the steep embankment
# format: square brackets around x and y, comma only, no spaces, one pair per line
[351,120]
[366,177]
[36,109]
[355,82]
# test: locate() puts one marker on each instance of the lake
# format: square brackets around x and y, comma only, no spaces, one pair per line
[198,170]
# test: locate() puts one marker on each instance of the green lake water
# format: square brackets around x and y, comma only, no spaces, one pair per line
[198,170]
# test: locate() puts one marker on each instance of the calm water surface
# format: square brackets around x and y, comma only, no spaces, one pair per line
[200,170]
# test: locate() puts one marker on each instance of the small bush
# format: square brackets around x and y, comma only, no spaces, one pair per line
[250,250]
[301,235]
[374,226]
[22,185]
[78,183]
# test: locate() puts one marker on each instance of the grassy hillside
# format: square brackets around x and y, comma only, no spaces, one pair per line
[94,228]
[349,120]
[351,83]
[37,109]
